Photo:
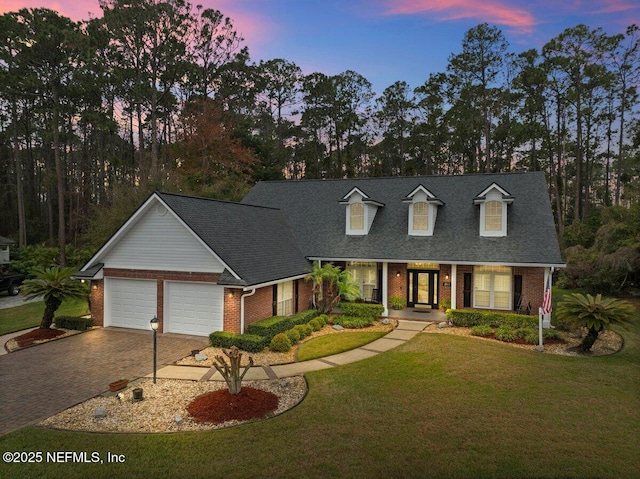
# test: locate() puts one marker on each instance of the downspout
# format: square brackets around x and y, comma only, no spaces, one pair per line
[253,291]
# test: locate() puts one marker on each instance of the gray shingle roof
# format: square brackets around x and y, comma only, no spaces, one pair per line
[317,219]
[255,242]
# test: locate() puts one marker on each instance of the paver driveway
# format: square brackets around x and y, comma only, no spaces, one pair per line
[43,380]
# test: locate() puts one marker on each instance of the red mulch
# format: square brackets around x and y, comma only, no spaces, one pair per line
[38,335]
[220,406]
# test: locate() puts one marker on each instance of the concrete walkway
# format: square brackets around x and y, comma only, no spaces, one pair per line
[405,331]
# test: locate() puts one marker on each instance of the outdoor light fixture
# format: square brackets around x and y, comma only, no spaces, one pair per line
[397,274]
[446,277]
[230,294]
[154,326]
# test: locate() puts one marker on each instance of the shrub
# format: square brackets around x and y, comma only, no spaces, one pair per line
[397,302]
[506,333]
[532,337]
[293,335]
[482,330]
[445,304]
[550,334]
[362,310]
[303,317]
[73,322]
[304,330]
[352,322]
[269,327]
[522,333]
[247,342]
[467,318]
[280,343]
[316,325]
[323,318]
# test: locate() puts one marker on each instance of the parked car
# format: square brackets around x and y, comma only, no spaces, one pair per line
[10,281]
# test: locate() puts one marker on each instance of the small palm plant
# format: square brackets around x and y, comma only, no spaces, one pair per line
[54,285]
[330,284]
[594,313]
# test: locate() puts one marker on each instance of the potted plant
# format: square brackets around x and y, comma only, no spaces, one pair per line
[119,384]
[397,302]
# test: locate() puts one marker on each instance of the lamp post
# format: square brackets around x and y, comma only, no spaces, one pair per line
[154,326]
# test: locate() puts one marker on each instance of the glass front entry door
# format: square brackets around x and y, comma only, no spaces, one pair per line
[422,288]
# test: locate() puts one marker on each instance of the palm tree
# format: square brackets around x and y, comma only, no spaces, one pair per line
[55,285]
[329,285]
[594,313]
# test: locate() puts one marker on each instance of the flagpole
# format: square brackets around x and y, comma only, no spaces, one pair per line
[540,346]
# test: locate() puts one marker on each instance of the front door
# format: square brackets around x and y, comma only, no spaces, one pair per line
[422,288]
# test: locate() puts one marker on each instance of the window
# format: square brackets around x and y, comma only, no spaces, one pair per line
[493,216]
[421,216]
[492,287]
[365,275]
[284,304]
[356,216]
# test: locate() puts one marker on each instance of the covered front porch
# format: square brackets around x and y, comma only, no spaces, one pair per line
[412,314]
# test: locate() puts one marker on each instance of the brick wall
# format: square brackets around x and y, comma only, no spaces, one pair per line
[461,270]
[397,284]
[305,294]
[444,292]
[96,298]
[232,302]
[532,286]
[258,306]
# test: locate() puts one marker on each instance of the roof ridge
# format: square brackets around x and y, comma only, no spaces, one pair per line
[204,198]
[365,178]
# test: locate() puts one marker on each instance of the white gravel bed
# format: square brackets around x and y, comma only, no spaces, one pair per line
[162,402]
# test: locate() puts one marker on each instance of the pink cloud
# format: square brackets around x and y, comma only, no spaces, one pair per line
[491,11]
[75,10]
[614,6]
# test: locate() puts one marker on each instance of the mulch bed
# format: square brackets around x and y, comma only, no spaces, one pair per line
[38,335]
[221,406]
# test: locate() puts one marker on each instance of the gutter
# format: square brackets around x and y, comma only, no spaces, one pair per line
[253,291]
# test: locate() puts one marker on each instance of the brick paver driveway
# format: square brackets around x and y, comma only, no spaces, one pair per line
[43,380]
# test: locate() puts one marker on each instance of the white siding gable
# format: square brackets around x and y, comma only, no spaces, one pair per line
[159,241]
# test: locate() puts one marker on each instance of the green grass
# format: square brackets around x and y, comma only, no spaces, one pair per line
[336,343]
[439,406]
[30,315]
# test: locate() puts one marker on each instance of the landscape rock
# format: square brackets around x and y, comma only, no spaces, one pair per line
[201,357]
[443,324]
[385,321]
[337,327]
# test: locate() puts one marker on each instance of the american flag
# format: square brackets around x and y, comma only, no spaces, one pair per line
[546,301]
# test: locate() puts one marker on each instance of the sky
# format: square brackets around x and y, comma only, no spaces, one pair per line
[385,40]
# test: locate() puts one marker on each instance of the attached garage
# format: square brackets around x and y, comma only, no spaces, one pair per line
[193,308]
[131,303]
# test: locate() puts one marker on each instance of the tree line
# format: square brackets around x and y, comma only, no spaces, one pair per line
[164,95]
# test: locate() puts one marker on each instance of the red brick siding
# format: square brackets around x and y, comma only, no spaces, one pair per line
[232,302]
[532,286]
[258,306]
[305,294]
[461,270]
[444,292]
[96,299]
[397,284]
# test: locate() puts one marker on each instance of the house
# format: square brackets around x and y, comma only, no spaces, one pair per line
[474,241]
[4,250]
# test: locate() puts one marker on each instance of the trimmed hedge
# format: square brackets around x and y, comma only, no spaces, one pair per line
[467,318]
[73,322]
[352,322]
[293,334]
[362,310]
[247,342]
[269,327]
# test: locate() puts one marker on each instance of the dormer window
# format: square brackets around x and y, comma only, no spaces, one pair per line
[361,211]
[423,209]
[493,210]
[356,216]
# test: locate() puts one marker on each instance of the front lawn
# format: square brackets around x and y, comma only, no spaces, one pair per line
[336,343]
[438,406]
[30,315]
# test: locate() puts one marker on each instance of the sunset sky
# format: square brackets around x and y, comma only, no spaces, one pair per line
[385,40]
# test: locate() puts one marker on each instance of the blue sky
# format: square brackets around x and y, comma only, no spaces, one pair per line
[386,40]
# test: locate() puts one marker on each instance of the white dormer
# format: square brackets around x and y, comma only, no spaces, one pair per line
[493,203]
[423,209]
[361,211]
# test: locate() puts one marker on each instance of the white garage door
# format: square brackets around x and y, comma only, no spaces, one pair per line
[131,303]
[193,308]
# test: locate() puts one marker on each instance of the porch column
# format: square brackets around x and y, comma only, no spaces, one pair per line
[454,285]
[385,287]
